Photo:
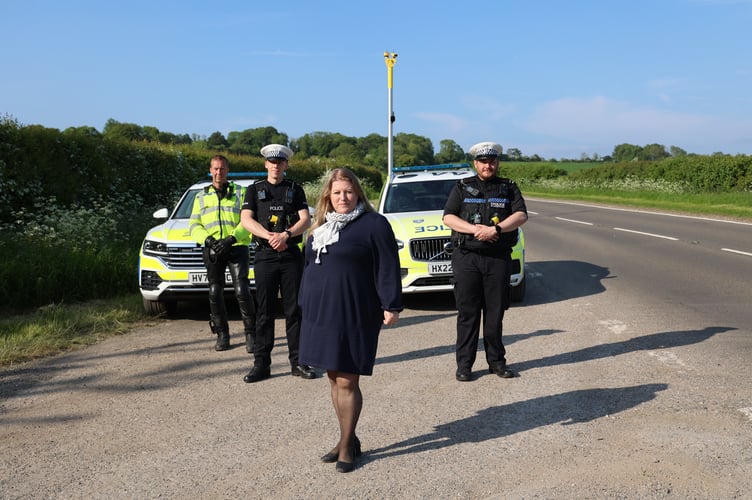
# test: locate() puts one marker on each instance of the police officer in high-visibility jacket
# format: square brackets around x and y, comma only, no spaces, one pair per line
[275,210]
[484,213]
[215,224]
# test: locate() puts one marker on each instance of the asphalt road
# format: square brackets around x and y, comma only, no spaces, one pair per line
[692,265]
[633,351]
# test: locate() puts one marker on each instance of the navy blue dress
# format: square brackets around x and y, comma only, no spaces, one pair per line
[343,298]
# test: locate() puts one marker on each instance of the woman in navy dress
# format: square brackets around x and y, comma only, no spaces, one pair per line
[351,286]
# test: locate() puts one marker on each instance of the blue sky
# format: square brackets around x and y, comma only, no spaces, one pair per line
[548,77]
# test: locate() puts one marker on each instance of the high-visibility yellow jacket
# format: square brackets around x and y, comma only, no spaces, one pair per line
[218,218]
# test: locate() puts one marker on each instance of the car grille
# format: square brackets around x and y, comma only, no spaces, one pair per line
[433,281]
[429,249]
[184,257]
[191,257]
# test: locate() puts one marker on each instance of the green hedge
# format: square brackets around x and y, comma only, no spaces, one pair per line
[76,208]
[696,174]
[43,163]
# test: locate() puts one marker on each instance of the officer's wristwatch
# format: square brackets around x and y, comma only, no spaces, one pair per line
[289,234]
[498,229]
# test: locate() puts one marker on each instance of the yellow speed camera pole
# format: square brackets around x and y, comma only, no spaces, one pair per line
[390,59]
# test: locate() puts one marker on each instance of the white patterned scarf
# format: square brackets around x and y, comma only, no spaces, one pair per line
[328,232]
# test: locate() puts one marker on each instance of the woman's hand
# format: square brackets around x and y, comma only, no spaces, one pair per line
[390,317]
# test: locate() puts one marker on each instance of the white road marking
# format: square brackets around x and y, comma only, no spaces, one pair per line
[736,251]
[646,234]
[575,221]
[617,209]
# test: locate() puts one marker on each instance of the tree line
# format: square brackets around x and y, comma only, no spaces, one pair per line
[370,150]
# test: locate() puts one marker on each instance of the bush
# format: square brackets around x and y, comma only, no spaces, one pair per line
[79,206]
[53,253]
[687,174]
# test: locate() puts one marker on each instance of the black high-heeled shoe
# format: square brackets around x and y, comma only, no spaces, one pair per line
[332,456]
[345,466]
[355,451]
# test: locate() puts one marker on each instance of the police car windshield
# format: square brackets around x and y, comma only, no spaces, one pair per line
[183,211]
[418,196]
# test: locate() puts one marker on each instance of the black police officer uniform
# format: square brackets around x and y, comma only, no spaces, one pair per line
[276,206]
[482,270]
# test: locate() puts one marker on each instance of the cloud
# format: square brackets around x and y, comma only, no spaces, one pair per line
[487,107]
[663,86]
[599,120]
[662,83]
[480,117]
[446,122]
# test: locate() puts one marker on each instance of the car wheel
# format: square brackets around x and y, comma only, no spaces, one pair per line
[518,292]
[158,308]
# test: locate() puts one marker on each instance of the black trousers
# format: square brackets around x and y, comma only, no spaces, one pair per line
[237,262]
[481,291]
[277,273]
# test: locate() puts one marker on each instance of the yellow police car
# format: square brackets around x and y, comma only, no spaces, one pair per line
[413,201]
[170,265]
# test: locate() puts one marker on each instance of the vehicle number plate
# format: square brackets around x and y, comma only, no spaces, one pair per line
[201,279]
[440,268]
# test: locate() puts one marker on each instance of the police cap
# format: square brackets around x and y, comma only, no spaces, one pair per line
[485,150]
[276,152]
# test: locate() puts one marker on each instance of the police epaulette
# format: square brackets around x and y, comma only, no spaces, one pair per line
[473,191]
[289,193]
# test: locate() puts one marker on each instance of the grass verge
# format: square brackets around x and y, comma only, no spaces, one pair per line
[735,205]
[58,328]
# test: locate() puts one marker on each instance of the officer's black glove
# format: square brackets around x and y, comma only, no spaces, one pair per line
[224,245]
[210,242]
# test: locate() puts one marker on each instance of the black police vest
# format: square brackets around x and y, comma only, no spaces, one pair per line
[485,204]
[275,207]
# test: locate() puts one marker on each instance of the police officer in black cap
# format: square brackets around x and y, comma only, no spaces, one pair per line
[484,212]
[275,210]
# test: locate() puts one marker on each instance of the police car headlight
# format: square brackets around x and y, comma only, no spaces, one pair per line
[400,244]
[155,247]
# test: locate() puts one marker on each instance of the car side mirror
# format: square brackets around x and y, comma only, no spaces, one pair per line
[162,213]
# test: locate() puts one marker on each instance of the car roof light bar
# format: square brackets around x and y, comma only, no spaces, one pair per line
[426,168]
[243,175]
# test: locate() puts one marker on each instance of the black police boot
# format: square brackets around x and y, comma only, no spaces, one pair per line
[222,330]
[303,371]
[463,375]
[250,341]
[257,374]
[248,313]
[501,370]
[223,337]
[223,341]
